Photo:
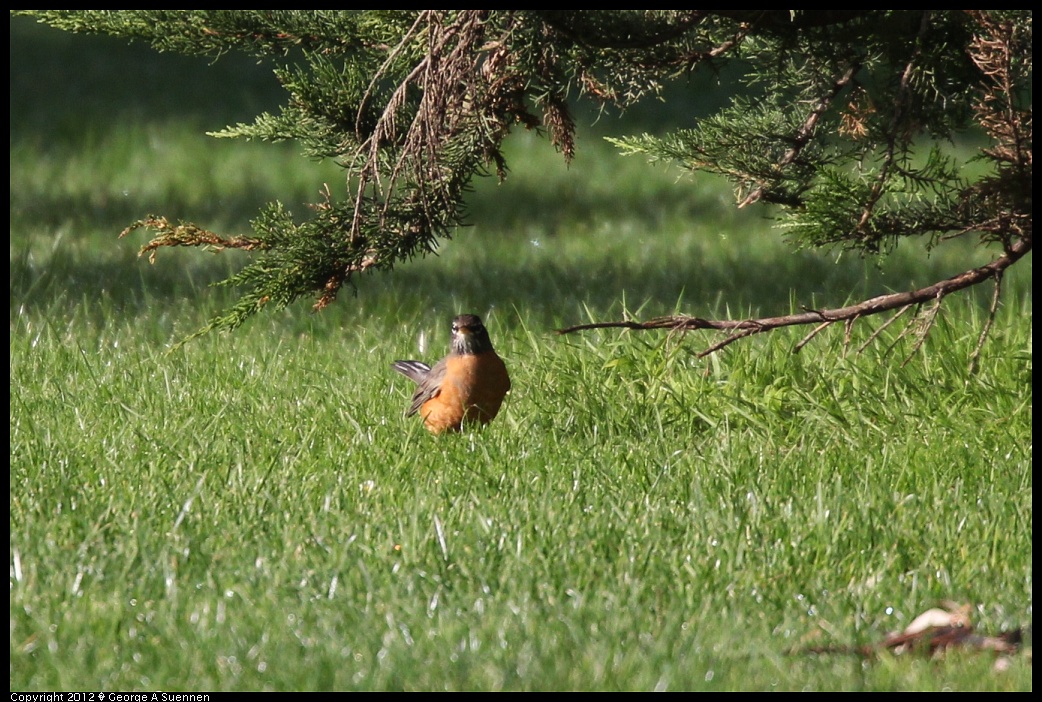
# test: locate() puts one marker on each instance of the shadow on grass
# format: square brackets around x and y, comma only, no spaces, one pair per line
[560,291]
[108,209]
[63,84]
[551,294]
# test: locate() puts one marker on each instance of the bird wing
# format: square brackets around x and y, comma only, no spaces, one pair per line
[428,387]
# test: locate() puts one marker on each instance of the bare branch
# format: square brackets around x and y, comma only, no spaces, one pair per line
[904,332]
[814,332]
[924,330]
[882,327]
[996,294]
[876,305]
[848,331]
[728,341]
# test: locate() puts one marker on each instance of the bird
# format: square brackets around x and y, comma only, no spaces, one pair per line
[465,387]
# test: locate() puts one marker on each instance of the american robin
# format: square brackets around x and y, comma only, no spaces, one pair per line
[468,385]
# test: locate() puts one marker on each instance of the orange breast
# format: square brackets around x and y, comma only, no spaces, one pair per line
[472,391]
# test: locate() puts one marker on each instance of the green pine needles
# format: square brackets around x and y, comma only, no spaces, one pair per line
[828,121]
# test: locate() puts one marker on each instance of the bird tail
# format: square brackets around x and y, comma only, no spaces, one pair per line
[413,370]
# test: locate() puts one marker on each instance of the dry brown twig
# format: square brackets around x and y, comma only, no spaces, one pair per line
[188,235]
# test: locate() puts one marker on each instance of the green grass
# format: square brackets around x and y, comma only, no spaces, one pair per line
[252,511]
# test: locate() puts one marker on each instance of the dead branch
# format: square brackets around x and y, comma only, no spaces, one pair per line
[909,326]
[924,329]
[446,76]
[188,235]
[882,327]
[814,332]
[996,294]
[883,303]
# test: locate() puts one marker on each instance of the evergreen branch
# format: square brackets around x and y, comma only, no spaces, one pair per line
[891,138]
[603,31]
[806,131]
[894,131]
[413,104]
[214,32]
[1008,193]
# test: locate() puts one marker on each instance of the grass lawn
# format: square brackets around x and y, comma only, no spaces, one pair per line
[252,510]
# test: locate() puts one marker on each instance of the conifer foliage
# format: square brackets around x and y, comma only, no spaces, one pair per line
[414,104]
